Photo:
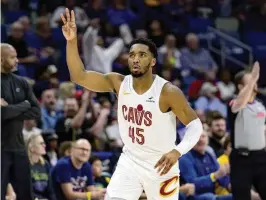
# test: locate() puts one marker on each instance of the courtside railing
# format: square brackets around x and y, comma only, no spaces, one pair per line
[224,51]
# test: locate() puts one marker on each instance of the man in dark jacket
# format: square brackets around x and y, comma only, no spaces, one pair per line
[18,103]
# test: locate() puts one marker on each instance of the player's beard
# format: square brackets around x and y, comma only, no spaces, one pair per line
[140,74]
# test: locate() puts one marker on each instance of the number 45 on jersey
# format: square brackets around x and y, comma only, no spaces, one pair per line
[136,134]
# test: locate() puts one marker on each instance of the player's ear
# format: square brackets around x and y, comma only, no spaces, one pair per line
[153,62]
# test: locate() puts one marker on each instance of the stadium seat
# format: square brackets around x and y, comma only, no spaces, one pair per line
[199,25]
[257,40]
[3,32]
[58,37]
[12,16]
[103,155]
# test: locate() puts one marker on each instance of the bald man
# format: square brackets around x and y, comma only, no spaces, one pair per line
[18,103]
[72,176]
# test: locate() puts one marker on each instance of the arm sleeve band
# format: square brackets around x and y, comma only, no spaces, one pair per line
[193,132]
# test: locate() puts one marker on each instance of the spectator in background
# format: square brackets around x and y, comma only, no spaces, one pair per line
[82,20]
[65,149]
[195,87]
[95,10]
[66,90]
[16,39]
[40,168]
[100,181]
[74,124]
[25,21]
[46,45]
[201,168]
[156,32]
[46,79]
[29,128]
[119,14]
[72,176]
[226,87]
[168,54]
[218,133]
[195,57]
[96,57]
[208,100]
[52,147]
[141,33]
[27,28]
[113,134]
[48,109]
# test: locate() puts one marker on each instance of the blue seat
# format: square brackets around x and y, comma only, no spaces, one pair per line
[103,155]
[257,40]
[199,25]
[3,32]
[58,37]
[12,16]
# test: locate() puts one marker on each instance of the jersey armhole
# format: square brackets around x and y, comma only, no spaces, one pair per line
[123,81]
[158,100]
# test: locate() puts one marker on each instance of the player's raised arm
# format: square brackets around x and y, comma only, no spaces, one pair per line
[91,80]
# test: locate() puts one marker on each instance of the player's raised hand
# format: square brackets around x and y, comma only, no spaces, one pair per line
[69,28]
[167,161]
[255,73]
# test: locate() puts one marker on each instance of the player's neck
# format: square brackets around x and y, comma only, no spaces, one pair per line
[142,84]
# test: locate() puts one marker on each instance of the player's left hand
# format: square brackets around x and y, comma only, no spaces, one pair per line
[167,161]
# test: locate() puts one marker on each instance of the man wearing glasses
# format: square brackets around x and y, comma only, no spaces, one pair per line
[72,176]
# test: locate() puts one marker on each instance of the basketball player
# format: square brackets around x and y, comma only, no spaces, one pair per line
[147,109]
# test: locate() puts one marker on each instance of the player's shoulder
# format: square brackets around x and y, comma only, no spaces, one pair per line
[171,89]
[115,77]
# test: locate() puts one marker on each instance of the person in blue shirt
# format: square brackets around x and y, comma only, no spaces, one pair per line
[72,176]
[201,168]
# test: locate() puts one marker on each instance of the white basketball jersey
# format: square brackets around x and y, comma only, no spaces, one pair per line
[147,133]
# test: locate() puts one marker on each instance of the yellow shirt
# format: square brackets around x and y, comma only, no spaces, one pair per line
[219,190]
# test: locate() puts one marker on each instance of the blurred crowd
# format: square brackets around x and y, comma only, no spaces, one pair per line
[105,28]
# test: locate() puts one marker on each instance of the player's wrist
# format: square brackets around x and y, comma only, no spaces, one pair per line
[178,150]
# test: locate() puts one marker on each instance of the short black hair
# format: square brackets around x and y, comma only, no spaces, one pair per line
[93,158]
[147,42]
[240,75]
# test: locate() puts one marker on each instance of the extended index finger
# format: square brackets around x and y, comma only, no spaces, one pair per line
[73,16]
